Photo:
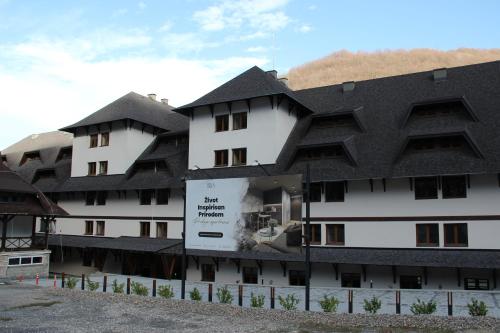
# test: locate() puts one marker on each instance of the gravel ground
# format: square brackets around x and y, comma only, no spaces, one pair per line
[33,309]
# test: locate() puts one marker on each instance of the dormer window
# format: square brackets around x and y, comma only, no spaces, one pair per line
[104,139]
[222,123]
[322,152]
[221,158]
[103,167]
[438,142]
[335,121]
[64,153]
[93,140]
[30,156]
[239,120]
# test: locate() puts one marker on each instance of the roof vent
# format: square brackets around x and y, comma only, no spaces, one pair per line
[273,73]
[348,86]
[284,80]
[440,74]
[164,100]
[152,97]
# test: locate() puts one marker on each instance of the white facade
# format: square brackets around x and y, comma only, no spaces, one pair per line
[267,130]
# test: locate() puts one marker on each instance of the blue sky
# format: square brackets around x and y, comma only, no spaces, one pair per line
[60,61]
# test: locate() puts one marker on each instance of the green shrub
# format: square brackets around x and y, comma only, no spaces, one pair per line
[257,301]
[70,282]
[423,308]
[372,306]
[118,288]
[329,304]
[166,291]
[290,302]
[195,295]
[91,285]
[224,295]
[139,289]
[477,308]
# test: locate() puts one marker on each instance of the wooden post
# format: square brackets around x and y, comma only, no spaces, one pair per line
[398,302]
[349,298]
[240,295]
[450,303]
[153,292]
[272,298]
[128,286]
[307,237]
[33,232]
[62,280]
[210,292]
[4,231]
[104,283]
[83,281]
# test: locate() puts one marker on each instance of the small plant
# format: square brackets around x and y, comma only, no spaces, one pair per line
[257,301]
[224,295]
[290,302]
[195,295]
[118,288]
[92,286]
[423,308]
[71,282]
[372,306]
[329,304]
[166,291]
[477,308]
[139,289]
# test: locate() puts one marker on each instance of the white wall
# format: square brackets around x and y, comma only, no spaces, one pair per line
[125,145]
[266,133]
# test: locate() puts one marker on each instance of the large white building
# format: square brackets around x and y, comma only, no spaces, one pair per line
[404,174]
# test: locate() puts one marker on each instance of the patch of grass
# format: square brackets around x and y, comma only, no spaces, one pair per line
[34,304]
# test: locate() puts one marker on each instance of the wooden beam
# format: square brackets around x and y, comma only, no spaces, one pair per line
[425,275]
[494,278]
[216,262]
[197,261]
[33,231]
[4,231]
[248,102]
[411,183]
[259,264]
[336,270]
[237,262]
[271,100]
[394,274]
[283,267]
[211,106]
[384,184]
[280,99]
[371,185]
[363,269]
[229,107]
[459,277]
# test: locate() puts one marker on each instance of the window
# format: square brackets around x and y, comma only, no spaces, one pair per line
[351,280]
[240,156]
[104,139]
[52,226]
[145,197]
[30,156]
[334,191]
[428,234]
[162,196]
[296,278]
[410,282]
[315,233]
[161,229]
[92,169]
[101,198]
[222,123]
[100,228]
[454,187]
[426,188]
[239,120]
[103,167]
[476,284]
[14,261]
[250,275]
[221,157]
[90,198]
[37,260]
[455,234]
[207,273]
[335,234]
[89,227]
[145,229]
[315,192]
[25,261]
[93,141]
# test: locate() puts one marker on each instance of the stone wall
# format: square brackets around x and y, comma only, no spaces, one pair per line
[26,271]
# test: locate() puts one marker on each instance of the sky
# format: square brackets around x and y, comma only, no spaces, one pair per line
[62,60]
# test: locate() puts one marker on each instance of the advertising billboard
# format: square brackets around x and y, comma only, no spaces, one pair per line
[239,214]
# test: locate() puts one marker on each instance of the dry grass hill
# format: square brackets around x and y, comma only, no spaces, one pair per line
[344,66]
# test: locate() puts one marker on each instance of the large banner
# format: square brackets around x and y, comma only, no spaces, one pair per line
[238,214]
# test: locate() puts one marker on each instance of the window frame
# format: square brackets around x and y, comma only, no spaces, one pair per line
[297,276]
[446,181]
[240,121]
[314,229]
[318,186]
[92,169]
[407,280]
[104,142]
[225,123]
[339,187]
[89,228]
[100,198]
[428,231]
[165,196]
[143,199]
[93,140]
[223,151]
[423,179]
[477,283]
[239,153]
[211,273]
[248,279]
[99,225]
[160,225]
[353,277]
[103,168]
[338,229]
[456,235]
[90,198]
[143,227]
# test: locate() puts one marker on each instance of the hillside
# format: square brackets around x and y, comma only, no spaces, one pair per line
[344,66]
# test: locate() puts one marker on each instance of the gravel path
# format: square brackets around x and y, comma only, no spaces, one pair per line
[33,309]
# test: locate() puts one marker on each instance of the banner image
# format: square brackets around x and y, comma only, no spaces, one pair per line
[244,214]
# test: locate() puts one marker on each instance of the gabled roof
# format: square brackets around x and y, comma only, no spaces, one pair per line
[134,107]
[250,84]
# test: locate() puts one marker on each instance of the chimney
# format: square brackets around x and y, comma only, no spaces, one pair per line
[440,74]
[164,100]
[273,73]
[284,80]
[152,97]
[348,86]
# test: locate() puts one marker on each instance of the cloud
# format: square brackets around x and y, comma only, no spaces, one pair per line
[312,7]
[256,49]
[167,26]
[304,28]
[142,5]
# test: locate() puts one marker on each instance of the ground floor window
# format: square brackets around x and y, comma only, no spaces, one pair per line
[250,275]
[351,280]
[428,234]
[476,284]
[145,229]
[410,282]
[16,261]
[161,229]
[455,234]
[335,234]
[207,273]
[297,278]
